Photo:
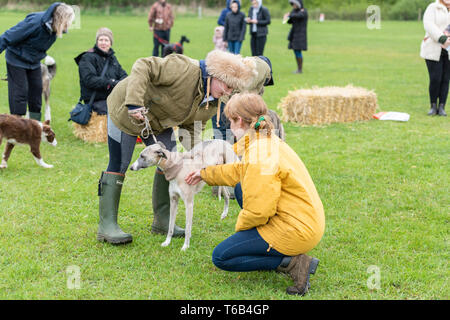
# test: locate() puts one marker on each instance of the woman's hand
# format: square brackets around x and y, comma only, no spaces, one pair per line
[137,114]
[193,178]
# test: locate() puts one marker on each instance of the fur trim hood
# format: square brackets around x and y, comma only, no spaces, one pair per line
[237,72]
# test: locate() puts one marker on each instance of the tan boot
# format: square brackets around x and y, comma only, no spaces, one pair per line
[299,268]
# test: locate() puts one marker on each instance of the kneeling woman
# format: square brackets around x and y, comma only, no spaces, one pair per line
[282,216]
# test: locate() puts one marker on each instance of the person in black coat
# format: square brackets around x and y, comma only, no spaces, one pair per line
[26,44]
[258,19]
[298,17]
[235,25]
[90,67]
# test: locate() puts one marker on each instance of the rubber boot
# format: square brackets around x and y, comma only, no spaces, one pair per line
[433,110]
[299,268]
[35,116]
[109,190]
[299,65]
[161,207]
[441,110]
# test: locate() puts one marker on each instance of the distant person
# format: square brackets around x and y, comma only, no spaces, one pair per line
[298,17]
[90,67]
[160,21]
[219,44]
[223,14]
[434,50]
[235,25]
[258,19]
[26,44]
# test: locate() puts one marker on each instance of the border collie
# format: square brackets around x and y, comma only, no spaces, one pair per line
[18,130]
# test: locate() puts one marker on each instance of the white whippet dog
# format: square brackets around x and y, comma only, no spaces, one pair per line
[176,166]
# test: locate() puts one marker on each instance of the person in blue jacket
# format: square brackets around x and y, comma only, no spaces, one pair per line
[26,44]
[223,14]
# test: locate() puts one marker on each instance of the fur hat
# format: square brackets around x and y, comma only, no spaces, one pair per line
[236,71]
[104,32]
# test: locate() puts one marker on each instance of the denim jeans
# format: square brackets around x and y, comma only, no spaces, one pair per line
[234,47]
[245,250]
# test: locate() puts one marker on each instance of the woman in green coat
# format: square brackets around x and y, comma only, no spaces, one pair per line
[159,94]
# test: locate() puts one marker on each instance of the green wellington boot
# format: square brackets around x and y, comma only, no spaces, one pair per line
[35,115]
[109,190]
[161,207]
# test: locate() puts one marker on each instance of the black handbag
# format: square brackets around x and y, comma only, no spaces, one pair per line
[81,114]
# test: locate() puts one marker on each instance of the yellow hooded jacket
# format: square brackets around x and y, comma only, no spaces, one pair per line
[279,196]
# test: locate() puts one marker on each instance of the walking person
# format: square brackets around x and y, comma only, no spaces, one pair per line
[297,37]
[235,25]
[160,21]
[26,44]
[436,21]
[282,216]
[258,19]
[160,94]
[90,66]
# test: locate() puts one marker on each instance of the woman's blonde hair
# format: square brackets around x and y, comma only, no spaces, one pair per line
[252,109]
[63,17]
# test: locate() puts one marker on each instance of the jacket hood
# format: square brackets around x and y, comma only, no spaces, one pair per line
[237,72]
[49,12]
[229,4]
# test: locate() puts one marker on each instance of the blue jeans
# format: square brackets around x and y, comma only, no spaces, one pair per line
[234,46]
[245,250]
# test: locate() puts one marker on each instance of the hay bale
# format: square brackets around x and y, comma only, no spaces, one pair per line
[328,105]
[95,131]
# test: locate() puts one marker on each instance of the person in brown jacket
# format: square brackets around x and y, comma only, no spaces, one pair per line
[160,21]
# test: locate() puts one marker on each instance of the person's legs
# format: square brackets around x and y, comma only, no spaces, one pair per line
[232,46]
[121,147]
[435,74]
[17,90]
[443,92]
[35,93]
[246,251]
[260,44]
[238,47]
[299,60]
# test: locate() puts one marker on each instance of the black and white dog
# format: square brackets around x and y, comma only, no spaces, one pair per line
[175,47]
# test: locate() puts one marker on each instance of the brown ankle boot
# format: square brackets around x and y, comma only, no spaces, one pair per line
[299,268]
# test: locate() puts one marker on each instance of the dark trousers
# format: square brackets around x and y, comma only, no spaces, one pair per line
[24,87]
[157,43]
[224,129]
[257,44]
[439,72]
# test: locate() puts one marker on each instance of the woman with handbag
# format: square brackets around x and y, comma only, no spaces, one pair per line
[26,44]
[92,64]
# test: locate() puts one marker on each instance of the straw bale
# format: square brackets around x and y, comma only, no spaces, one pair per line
[326,105]
[94,131]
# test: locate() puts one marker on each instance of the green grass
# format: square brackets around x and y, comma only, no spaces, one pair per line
[384,185]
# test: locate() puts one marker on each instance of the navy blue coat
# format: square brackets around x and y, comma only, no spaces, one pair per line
[27,42]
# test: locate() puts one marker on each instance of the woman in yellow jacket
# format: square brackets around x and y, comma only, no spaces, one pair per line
[282,216]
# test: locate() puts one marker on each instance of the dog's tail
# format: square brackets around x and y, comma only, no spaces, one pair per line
[51,65]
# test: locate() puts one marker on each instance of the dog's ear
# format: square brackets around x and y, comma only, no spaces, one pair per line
[47,122]
[162,145]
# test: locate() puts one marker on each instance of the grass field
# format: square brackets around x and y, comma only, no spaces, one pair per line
[384,185]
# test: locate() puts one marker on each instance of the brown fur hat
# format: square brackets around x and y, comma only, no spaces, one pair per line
[236,71]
